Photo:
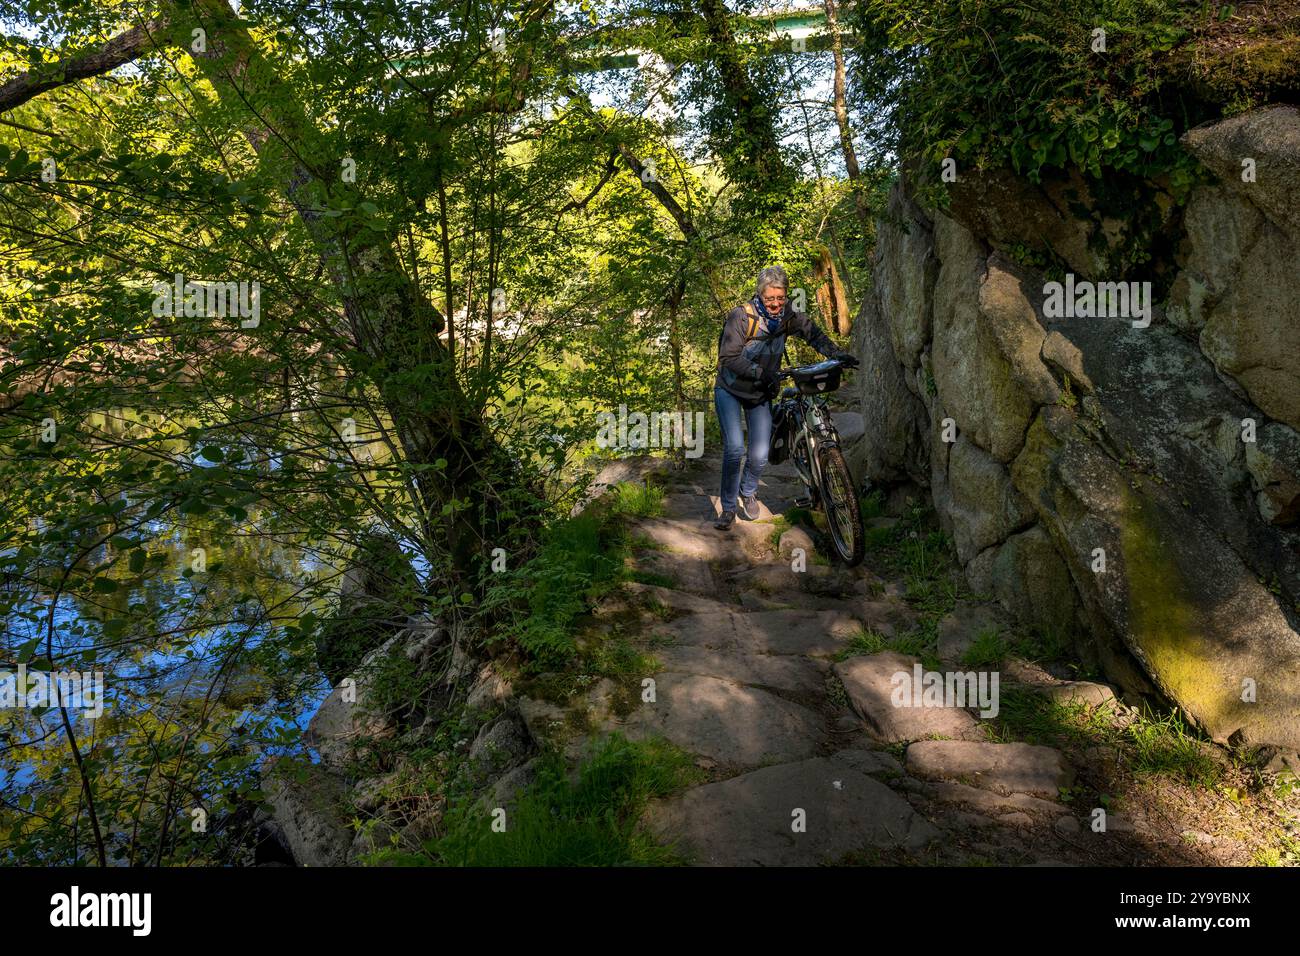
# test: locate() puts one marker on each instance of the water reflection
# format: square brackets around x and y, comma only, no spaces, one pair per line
[202,629]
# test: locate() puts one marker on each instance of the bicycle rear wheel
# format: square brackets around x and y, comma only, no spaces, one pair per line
[841,505]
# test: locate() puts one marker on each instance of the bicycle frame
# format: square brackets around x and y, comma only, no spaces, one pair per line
[815,431]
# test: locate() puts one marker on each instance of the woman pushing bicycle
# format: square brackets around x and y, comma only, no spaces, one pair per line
[749,359]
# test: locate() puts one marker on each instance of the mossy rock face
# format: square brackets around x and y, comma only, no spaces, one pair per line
[1178,538]
[379,569]
[1261,70]
[1210,634]
[345,639]
[379,590]
[1203,628]
[1154,489]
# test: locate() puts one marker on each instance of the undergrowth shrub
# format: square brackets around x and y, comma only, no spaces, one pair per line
[579,559]
[559,821]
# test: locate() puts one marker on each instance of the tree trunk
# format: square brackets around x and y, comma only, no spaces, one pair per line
[842,119]
[393,325]
[675,297]
[830,295]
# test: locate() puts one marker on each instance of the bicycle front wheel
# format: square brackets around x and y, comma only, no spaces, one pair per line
[841,504]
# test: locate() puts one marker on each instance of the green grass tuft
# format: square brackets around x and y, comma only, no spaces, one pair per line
[1150,744]
[1163,745]
[590,821]
[865,641]
[633,500]
[988,649]
[872,504]
[651,577]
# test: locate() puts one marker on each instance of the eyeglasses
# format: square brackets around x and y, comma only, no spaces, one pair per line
[774,299]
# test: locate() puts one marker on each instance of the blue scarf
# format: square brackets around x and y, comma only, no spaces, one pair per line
[773,321]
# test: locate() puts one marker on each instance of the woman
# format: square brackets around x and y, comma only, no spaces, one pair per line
[749,357]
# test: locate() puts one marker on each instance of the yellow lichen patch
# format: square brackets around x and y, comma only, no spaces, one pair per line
[1167,627]
[1030,470]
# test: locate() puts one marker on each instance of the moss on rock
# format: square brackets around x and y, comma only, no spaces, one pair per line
[1166,626]
[379,591]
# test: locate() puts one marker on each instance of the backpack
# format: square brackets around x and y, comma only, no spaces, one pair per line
[750,333]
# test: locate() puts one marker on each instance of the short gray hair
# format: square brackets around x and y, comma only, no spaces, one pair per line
[772,275]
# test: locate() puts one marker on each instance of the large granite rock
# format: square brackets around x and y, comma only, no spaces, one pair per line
[307,803]
[985,507]
[1196,617]
[1130,508]
[870,682]
[1271,137]
[355,711]
[1255,326]
[1238,282]
[1008,210]
[1032,582]
[905,276]
[349,715]
[1273,461]
[1002,768]
[377,590]
[894,419]
[987,343]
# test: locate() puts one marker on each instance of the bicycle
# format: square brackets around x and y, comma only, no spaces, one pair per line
[803,430]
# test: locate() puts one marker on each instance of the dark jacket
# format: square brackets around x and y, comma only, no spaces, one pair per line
[740,364]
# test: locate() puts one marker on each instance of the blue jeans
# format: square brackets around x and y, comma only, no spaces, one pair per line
[759,421]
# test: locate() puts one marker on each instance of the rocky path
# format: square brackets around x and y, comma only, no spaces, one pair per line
[808,760]
[777,672]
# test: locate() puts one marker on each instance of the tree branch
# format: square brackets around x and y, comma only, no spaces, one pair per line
[123,48]
[610,168]
[657,190]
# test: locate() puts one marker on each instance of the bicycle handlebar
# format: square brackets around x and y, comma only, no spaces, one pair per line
[788,372]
